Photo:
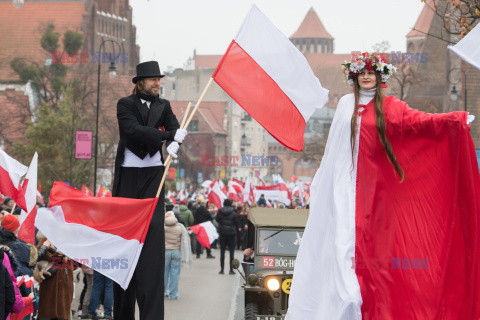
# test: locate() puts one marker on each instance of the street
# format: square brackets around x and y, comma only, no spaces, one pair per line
[203,293]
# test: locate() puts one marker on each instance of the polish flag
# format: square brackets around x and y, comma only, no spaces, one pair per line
[248,195]
[216,195]
[103,192]
[87,190]
[233,194]
[27,217]
[11,172]
[270,79]
[99,232]
[278,192]
[206,233]
[237,185]
[25,279]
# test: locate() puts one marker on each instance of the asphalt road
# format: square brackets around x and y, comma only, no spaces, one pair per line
[203,293]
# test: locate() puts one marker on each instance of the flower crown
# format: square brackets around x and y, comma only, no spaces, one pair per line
[372,62]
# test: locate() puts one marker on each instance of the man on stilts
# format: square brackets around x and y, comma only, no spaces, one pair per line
[145,122]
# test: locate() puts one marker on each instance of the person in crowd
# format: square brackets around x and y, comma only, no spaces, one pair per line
[9,262]
[7,292]
[100,283]
[54,272]
[227,227]
[185,214]
[9,204]
[202,215]
[262,202]
[177,253]
[25,253]
[86,292]
[242,227]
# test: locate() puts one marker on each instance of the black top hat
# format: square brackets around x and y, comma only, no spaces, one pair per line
[147,69]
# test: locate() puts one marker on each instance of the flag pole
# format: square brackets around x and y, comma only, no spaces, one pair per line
[184,125]
[13,208]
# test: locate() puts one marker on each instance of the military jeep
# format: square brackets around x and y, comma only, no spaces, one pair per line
[275,236]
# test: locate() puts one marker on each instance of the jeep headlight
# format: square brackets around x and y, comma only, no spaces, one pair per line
[273,284]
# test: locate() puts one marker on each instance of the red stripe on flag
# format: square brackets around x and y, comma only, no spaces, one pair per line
[260,96]
[27,229]
[119,216]
[202,236]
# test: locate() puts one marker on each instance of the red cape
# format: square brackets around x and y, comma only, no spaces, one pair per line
[417,242]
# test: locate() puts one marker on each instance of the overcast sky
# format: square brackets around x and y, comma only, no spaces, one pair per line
[169,30]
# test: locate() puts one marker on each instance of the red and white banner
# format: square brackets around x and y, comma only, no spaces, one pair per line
[206,233]
[99,232]
[275,193]
[11,172]
[270,79]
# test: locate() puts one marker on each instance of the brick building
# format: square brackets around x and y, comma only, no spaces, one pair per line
[21,30]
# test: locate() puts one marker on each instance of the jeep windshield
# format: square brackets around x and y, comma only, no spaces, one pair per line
[278,241]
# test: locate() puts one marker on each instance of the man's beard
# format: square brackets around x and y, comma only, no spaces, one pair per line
[150,92]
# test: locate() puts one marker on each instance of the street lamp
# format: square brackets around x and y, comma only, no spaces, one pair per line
[454,92]
[112,71]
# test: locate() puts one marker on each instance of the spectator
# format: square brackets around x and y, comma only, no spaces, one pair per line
[227,227]
[262,202]
[25,253]
[177,250]
[185,214]
[7,292]
[241,228]
[99,283]
[8,204]
[202,215]
[56,286]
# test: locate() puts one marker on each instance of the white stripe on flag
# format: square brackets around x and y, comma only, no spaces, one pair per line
[111,255]
[282,61]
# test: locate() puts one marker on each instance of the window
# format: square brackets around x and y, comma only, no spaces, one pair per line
[313,164]
[193,126]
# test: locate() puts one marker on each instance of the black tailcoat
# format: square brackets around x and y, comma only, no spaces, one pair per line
[139,129]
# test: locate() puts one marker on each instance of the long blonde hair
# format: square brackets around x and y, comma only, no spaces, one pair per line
[380,123]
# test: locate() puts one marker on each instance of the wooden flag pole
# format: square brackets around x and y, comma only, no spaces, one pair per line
[184,125]
[13,208]
[169,158]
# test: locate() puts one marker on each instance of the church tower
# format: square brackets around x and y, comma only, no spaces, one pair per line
[311,36]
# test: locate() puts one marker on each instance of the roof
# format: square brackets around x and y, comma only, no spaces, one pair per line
[213,113]
[311,27]
[22,28]
[207,61]
[278,217]
[327,67]
[424,21]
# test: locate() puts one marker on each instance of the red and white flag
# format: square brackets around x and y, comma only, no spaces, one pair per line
[29,281]
[216,195]
[182,195]
[87,190]
[27,216]
[270,79]
[248,195]
[233,194]
[99,232]
[103,192]
[11,172]
[206,233]
[237,185]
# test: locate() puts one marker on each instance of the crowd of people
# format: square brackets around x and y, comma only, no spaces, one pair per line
[51,296]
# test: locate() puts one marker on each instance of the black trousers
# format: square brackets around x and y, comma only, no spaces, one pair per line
[147,285]
[226,241]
